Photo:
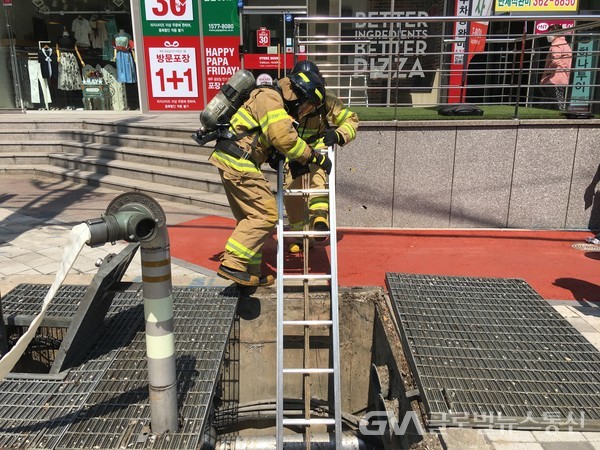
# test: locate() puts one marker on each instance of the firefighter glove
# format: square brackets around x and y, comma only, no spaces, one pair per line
[274,158]
[332,137]
[321,160]
[297,169]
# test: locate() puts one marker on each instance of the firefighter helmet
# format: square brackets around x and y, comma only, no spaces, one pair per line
[310,91]
[307,66]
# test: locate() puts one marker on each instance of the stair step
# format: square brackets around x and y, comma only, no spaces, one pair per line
[191,179]
[215,201]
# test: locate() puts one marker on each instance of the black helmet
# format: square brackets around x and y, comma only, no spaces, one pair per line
[308,86]
[310,91]
[307,66]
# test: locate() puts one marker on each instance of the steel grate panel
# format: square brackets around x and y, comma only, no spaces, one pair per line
[103,402]
[491,352]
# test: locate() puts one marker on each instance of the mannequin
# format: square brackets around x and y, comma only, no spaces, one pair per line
[124,57]
[69,73]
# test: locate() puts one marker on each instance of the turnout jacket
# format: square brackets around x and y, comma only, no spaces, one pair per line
[261,123]
[333,112]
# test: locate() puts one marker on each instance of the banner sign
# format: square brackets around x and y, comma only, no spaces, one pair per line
[542,6]
[541,26]
[260,61]
[171,32]
[221,43]
[263,37]
[172,68]
[584,72]
[469,39]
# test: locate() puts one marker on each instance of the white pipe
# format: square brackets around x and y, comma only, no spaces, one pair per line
[293,442]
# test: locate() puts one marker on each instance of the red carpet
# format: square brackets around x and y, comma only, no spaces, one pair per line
[545,259]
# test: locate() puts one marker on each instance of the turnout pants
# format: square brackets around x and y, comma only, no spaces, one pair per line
[255,209]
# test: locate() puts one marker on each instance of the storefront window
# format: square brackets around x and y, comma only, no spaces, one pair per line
[388,55]
[65,58]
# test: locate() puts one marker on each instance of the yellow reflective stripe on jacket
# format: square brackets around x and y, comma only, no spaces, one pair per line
[350,129]
[243,117]
[341,117]
[241,165]
[272,117]
[297,150]
[239,250]
[318,203]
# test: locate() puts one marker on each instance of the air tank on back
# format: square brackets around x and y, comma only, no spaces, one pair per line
[227,101]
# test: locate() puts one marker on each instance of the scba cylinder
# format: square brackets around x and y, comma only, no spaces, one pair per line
[227,101]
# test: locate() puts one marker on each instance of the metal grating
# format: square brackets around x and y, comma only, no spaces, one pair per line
[103,402]
[489,352]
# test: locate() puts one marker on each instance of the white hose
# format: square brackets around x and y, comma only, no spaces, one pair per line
[79,236]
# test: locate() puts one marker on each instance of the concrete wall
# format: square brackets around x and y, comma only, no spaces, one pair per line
[471,174]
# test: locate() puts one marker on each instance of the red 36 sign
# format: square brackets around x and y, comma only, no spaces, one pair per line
[263,37]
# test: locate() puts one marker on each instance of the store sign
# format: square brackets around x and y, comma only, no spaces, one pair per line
[171,37]
[541,26]
[584,74]
[263,37]
[170,17]
[260,61]
[536,5]
[221,43]
[7,2]
[172,68]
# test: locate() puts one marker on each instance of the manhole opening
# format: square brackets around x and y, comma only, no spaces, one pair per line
[41,351]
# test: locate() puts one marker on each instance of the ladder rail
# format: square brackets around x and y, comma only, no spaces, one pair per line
[280,310]
[335,329]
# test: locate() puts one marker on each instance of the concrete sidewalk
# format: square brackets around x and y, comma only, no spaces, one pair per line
[37,214]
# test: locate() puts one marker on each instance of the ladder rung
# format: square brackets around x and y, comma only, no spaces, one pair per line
[305,233]
[309,370]
[310,323]
[324,276]
[306,191]
[308,421]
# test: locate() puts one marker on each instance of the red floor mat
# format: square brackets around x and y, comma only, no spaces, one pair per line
[545,259]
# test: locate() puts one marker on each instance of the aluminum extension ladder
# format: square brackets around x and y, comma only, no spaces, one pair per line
[333,421]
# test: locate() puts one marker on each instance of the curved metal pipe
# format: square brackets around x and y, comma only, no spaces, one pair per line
[136,217]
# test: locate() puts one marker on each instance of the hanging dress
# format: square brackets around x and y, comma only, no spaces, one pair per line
[117,90]
[69,76]
[124,60]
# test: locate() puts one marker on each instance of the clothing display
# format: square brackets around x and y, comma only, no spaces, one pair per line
[38,82]
[69,76]
[48,64]
[99,35]
[117,90]
[111,30]
[82,31]
[124,58]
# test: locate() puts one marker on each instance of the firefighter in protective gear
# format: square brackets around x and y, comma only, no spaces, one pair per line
[263,123]
[332,123]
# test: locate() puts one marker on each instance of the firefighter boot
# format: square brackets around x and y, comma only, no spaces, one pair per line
[267,280]
[238,276]
[320,224]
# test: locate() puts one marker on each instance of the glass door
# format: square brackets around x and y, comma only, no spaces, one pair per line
[267,40]
[10,92]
